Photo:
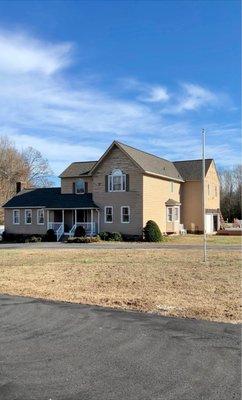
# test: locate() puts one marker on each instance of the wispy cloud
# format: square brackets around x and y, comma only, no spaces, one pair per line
[73,119]
[20,53]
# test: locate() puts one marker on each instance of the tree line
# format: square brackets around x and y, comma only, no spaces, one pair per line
[230,192]
[27,166]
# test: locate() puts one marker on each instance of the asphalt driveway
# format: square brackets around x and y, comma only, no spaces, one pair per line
[51,350]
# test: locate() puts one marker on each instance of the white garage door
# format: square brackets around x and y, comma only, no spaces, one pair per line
[209,223]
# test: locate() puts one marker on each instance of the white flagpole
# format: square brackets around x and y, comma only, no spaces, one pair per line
[203,199]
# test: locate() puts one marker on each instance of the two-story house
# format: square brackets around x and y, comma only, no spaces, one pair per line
[120,192]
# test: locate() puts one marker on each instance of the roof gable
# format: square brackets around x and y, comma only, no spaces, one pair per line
[146,162]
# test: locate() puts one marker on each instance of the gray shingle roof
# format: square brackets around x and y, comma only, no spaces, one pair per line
[150,163]
[191,170]
[171,202]
[50,198]
[77,169]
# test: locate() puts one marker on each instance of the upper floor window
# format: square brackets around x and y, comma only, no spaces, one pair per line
[40,217]
[172,186]
[216,191]
[208,190]
[28,217]
[80,186]
[117,181]
[16,217]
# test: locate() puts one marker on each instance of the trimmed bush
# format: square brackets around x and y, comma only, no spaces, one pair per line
[104,235]
[86,239]
[21,238]
[80,231]
[116,237]
[111,236]
[50,236]
[152,232]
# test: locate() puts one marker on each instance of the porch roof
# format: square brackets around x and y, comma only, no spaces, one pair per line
[50,198]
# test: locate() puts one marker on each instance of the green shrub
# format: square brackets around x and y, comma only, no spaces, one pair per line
[86,239]
[50,236]
[152,232]
[21,238]
[111,236]
[116,237]
[104,235]
[80,231]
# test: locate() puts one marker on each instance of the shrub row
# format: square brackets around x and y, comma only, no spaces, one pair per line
[86,239]
[24,238]
[111,236]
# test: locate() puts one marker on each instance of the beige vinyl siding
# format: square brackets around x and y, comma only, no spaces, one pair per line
[116,159]
[212,180]
[191,199]
[156,192]
[67,184]
[22,228]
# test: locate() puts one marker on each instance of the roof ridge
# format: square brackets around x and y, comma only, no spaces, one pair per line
[78,162]
[142,151]
[196,159]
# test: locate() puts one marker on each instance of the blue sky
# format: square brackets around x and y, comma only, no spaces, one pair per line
[76,75]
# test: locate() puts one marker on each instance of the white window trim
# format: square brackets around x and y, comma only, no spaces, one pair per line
[173,214]
[110,181]
[16,223]
[105,215]
[38,211]
[125,222]
[25,217]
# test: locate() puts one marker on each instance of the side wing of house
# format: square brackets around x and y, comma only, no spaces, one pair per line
[121,207]
[156,194]
[191,199]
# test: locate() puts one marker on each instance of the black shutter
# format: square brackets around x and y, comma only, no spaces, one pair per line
[127,182]
[106,183]
[86,187]
[73,187]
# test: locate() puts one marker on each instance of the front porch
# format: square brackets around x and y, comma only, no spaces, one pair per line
[65,221]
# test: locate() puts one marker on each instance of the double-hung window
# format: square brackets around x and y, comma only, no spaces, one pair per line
[40,217]
[172,214]
[117,181]
[28,217]
[16,217]
[108,214]
[80,186]
[125,214]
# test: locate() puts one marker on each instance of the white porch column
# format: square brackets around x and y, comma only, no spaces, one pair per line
[75,218]
[98,221]
[91,221]
[63,216]
[48,218]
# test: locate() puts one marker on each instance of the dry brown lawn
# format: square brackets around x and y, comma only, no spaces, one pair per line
[168,282]
[211,239]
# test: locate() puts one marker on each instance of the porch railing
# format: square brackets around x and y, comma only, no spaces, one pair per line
[58,228]
[90,228]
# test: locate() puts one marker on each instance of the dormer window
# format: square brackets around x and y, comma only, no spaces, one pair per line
[117,181]
[80,186]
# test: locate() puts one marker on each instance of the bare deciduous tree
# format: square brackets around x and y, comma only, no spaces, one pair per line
[231,183]
[37,167]
[27,166]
